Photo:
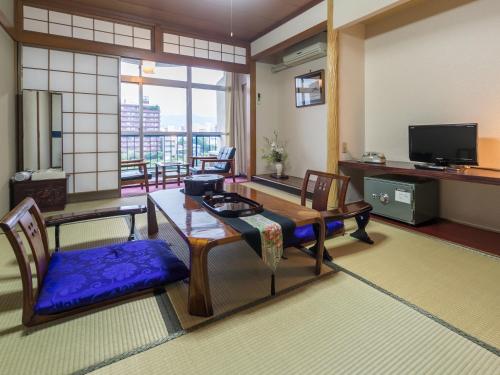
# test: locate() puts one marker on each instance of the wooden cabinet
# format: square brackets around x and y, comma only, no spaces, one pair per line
[49,195]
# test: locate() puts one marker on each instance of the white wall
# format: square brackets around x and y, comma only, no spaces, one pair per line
[7,116]
[438,63]
[347,12]
[303,129]
[310,18]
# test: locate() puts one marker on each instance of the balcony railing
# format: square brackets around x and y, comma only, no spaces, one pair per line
[168,147]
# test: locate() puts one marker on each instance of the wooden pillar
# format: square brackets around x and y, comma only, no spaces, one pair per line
[332,100]
[253,121]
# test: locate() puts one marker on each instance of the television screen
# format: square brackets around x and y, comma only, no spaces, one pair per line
[444,144]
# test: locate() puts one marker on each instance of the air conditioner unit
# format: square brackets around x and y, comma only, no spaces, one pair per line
[301,56]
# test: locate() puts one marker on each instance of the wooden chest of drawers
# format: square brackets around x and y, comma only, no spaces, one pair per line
[49,195]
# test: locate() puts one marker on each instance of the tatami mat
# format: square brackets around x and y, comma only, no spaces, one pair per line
[336,326]
[76,343]
[238,277]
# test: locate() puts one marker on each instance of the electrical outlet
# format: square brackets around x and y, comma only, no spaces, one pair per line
[344,147]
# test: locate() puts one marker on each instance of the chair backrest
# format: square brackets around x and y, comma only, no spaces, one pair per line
[28,217]
[321,189]
[225,153]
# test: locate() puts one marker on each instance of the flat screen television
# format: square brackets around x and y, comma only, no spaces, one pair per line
[444,144]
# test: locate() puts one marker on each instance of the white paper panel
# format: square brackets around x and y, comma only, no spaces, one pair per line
[171,48]
[35,13]
[240,51]
[201,53]
[85,103]
[62,30]
[85,83]
[85,162]
[139,32]
[34,79]
[68,144]
[227,57]
[61,81]
[142,43]
[108,181]
[44,138]
[107,66]
[123,29]
[30,133]
[85,123]
[103,26]
[108,143]
[60,60]
[107,104]
[212,46]
[70,184]
[226,48]
[171,38]
[123,40]
[85,182]
[35,58]
[102,37]
[107,123]
[85,142]
[83,33]
[58,17]
[240,59]
[67,102]
[85,63]
[84,22]
[36,26]
[198,43]
[187,51]
[68,162]
[107,162]
[67,122]
[185,41]
[107,85]
[212,55]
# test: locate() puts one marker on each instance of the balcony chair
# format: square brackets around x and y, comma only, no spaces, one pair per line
[135,176]
[334,218]
[71,282]
[222,164]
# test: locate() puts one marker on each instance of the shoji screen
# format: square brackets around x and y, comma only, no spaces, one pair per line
[89,85]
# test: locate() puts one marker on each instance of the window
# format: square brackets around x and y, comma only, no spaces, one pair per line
[157,117]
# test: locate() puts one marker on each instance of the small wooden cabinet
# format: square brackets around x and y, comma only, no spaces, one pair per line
[49,195]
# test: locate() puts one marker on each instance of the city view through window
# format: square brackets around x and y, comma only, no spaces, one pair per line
[162,106]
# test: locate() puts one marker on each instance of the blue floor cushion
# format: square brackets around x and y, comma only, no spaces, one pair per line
[83,277]
[305,233]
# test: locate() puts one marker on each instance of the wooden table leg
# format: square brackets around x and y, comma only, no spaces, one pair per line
[199,300]
[360,234]
[320,244]
[152,222]
[178,175]
[163,174]
[156,170]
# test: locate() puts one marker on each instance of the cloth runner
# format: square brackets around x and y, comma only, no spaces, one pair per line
[267,233]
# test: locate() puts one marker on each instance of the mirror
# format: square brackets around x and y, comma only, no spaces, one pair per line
[41,137]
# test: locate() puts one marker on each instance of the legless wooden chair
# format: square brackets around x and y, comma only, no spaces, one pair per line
[71,282]
[334,218]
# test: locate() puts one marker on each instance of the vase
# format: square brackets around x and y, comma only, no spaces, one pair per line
[279,169]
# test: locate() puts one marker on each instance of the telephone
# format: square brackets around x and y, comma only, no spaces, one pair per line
[373,157]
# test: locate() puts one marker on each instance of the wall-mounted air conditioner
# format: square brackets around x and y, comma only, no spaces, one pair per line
[301,56]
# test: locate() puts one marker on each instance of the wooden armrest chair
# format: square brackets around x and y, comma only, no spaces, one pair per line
[222,164]
[135,176]
[71,282]
[57,220]
[334,219]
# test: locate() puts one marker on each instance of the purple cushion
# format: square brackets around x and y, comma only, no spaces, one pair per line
[305,233]
[83,277]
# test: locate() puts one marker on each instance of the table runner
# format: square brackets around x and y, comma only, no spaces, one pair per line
[267,233]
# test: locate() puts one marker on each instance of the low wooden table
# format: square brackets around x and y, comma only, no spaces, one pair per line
[170,165]
[203,231]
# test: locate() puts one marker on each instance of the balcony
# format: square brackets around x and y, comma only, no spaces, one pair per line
[165,147]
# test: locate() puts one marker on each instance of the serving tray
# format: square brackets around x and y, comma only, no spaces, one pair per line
[231,205]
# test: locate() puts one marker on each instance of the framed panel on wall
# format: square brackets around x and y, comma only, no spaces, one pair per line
[310,89]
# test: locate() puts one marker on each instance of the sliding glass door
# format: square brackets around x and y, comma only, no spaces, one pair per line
[164,106]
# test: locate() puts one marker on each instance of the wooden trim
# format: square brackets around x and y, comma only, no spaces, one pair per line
[332,99]
[252,136]
[77,45]
[296,13]
[291,41]
[93,195]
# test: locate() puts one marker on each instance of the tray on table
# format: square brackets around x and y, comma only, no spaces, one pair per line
[231,205]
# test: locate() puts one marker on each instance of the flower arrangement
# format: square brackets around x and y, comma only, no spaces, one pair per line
[274,151]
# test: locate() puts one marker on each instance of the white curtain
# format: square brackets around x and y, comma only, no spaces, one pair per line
[236,99]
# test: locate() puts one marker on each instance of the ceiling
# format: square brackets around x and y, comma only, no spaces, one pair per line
[251,18]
